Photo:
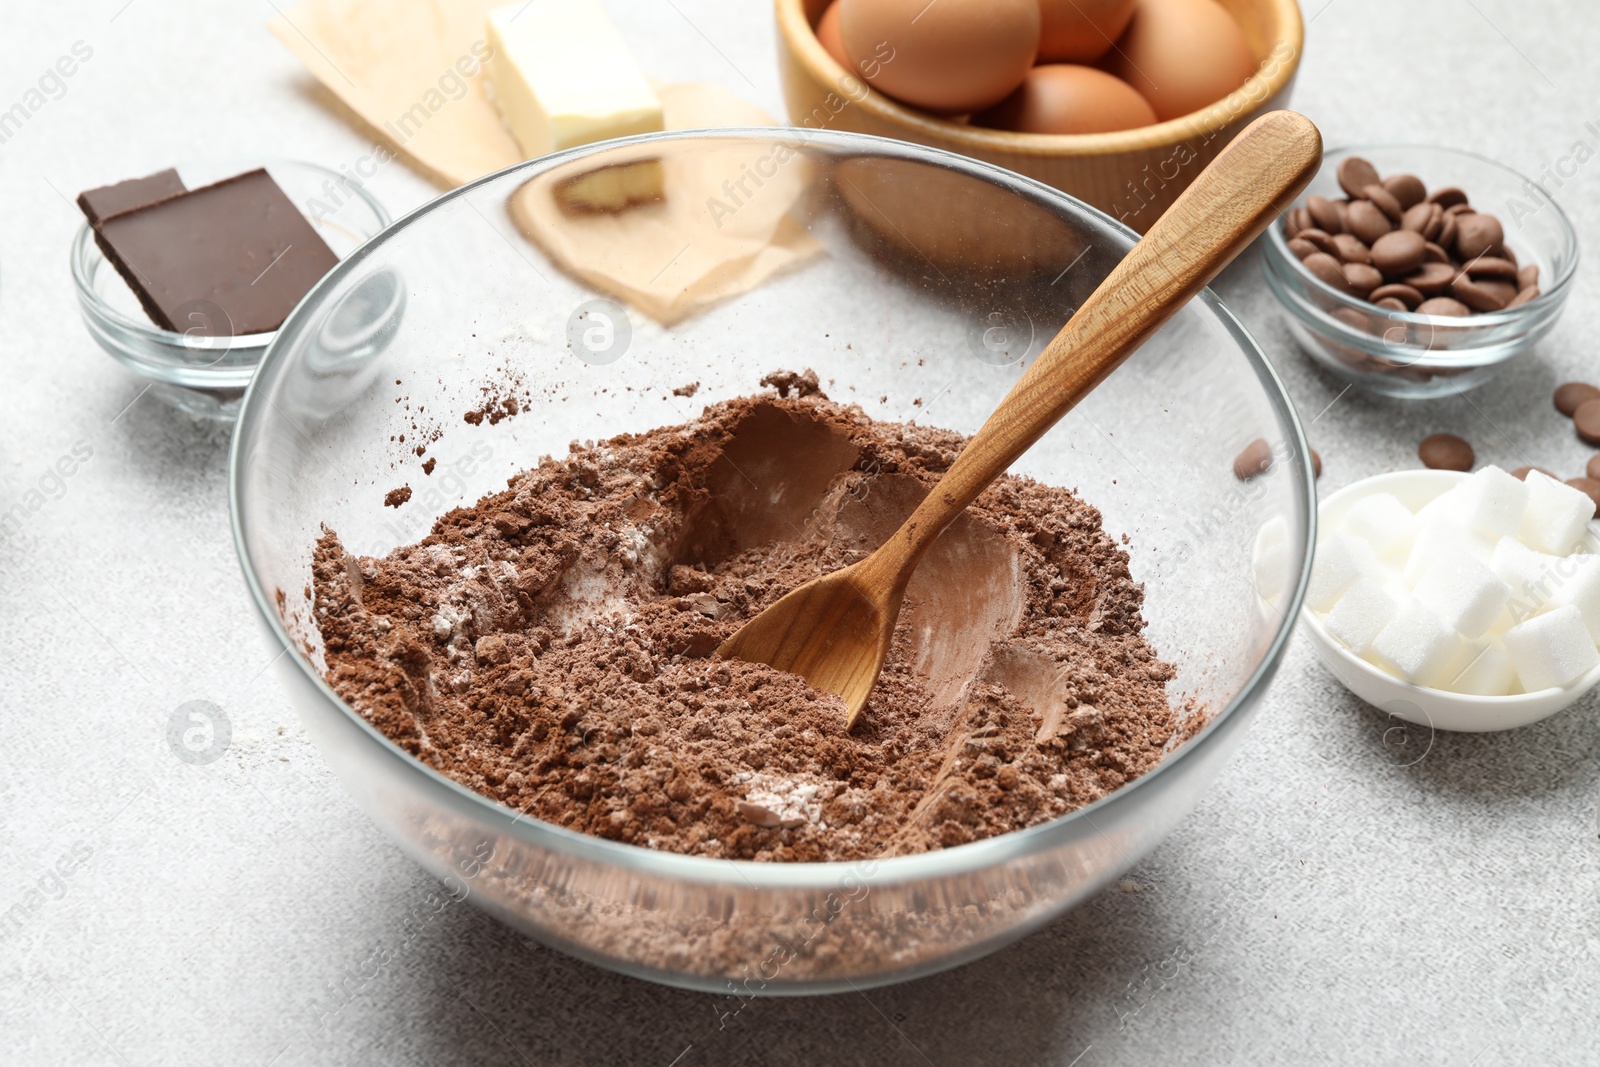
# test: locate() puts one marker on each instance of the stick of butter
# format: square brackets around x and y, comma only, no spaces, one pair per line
[563,76]
[612,188]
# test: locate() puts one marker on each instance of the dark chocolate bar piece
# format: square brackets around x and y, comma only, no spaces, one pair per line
[239,245]
[108,200]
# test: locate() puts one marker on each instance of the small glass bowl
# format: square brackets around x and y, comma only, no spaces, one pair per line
[198,373]
[1404,354]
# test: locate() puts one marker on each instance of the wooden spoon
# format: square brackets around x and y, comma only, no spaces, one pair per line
[835,630]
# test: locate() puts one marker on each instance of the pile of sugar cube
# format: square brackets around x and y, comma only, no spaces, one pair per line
[1492,588]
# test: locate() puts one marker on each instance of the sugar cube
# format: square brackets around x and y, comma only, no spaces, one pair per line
[1557,516]
[1482,670]
[1494,502]
[1437,534]
[1416,644]
[1275,531]
[1270,559]
[1577,582]
[1356,619]
[1464,593]
[1380,520]
[1340,560]
[1553,649]
[1531,574]
[1450,504]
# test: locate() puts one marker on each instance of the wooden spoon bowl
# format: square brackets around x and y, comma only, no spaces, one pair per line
[835,631]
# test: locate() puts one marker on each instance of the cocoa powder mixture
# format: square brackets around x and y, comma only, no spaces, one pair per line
[550,646]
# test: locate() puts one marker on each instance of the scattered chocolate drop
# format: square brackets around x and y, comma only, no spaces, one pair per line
[1255,459]
[1446,452]
[1586,420]
[1573,395]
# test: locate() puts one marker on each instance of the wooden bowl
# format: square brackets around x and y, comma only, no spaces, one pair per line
[1132,175]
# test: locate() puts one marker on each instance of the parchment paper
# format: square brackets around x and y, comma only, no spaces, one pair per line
[413,71]
[704,241]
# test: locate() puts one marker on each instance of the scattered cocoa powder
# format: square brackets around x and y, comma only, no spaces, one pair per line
[395,497]
[802,384]
[492,410]
[687,391]
[505,394]
[550,646]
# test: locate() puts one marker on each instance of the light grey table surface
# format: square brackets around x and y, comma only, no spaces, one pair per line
[1325,904]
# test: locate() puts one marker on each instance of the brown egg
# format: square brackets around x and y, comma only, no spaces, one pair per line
[1181,55]
[950,55]
[1065,98]
[832,40]
[1078,31]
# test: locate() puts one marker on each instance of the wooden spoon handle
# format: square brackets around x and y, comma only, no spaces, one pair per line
[1250,183]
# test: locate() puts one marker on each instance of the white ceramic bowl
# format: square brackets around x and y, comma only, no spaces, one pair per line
[1433,708]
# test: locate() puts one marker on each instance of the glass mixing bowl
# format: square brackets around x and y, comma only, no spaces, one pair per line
[915,283]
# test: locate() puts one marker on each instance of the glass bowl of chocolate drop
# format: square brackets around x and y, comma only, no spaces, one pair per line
[637,392]
[1417,271]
